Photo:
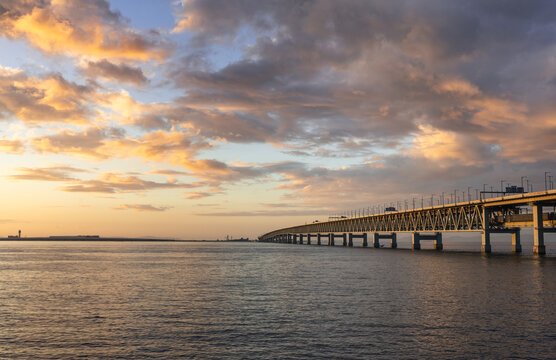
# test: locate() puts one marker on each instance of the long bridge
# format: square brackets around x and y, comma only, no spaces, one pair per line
[503,214]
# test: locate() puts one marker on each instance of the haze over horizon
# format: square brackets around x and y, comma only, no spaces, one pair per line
[198,119]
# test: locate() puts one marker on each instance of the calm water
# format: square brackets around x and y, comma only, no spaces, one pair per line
[271,301]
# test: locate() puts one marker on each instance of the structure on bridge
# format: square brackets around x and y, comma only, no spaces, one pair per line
[497,215]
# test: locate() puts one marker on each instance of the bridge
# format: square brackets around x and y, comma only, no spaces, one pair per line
[505,214]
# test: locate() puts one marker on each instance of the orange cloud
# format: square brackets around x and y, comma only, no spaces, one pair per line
[79,28]
[11,146]
[142,207]
[457,86]
[447,147]
[48,99]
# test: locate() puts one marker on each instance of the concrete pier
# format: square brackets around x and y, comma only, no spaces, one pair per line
[516,239]
[309,239]
[416,241]
[417,237]
[300,239]
[485,243]
[391,236]
[376,240]
[357,236]
[538,231]
[516,242]
[344,238]
[331,239]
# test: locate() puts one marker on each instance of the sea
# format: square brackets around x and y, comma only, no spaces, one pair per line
[239,300]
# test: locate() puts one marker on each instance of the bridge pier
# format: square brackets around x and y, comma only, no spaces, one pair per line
[376,241]
[319,235]
[516,239]
[331,239]
[309,238]
[356,236]
[516,242]
[538,230]
[332,236]
[416,241]
[485,243]
[391,236]
[301,239]
[417,237]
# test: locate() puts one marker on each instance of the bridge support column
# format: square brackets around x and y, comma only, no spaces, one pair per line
[516,242]
[350,242]
[331,239]
[393,241]
[294,238]
[301,239]
[391,236]
[438,241]
[318,238]
[485,246]
[309,239]
[376,240]
[416,241]
[344,238]
[538,231]
[364,240]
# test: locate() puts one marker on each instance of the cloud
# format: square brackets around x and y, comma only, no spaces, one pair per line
[47,99]
[176,147]
[85,143]
[197,195]
[79,28]
[380,99]
[52,173]
[11,146]
[142,207]
[370,75]
[168,172]
[265,213]
[109,183]
[115,72]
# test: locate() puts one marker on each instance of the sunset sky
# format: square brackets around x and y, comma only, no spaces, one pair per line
[198,119]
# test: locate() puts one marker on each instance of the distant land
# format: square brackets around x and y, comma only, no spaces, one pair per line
[99,238]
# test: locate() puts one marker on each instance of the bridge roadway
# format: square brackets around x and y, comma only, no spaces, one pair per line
[496,215]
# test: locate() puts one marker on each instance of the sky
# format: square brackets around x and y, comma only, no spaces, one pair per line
[201,119]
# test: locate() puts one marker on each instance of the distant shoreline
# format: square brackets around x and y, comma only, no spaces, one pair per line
[84,238]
